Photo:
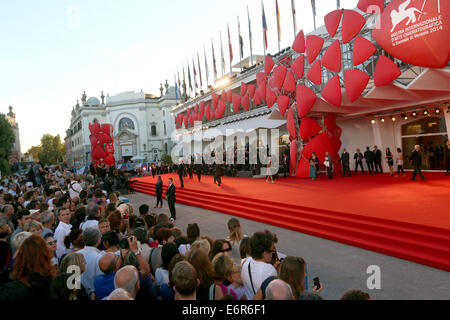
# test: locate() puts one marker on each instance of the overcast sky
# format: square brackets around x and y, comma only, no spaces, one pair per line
[53,50]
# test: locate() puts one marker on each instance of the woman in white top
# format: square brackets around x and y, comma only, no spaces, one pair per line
[234,237]
[400,163]
[168,251]
[269,171]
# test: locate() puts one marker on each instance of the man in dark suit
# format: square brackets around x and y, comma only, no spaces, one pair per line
[180,172]
[218,174]
[368,155]
[416,159]
[377,159]
[286,163]
[345,159]
[159,191]
[170,196]
[358,161]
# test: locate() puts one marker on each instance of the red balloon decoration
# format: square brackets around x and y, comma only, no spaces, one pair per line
[309,128]
[289,82]
[244,89]
[299,42]
[279,74]
[363,49]
[261,77]
[268,64]
[315,73]
[355,83]
[332,91]
[298,66]
[330,122]
[313,47]
[352,23]
[215,100]
[293,153]
[257,98]
[262,91]
[246,102]
[386,71]
[251,90]
[229,96]
[332,57]
[283,103]
[271,98]
[332,21]
[236,103]
[291,124]
[94,140]
[107,128]
[95,128]
[320,144]
[305,100]
[98,152]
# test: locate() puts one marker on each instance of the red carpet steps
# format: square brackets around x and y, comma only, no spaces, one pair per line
[422,244]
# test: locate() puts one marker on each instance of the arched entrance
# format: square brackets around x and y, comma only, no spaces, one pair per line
[431,134]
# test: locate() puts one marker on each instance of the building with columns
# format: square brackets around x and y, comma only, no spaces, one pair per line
[142,125]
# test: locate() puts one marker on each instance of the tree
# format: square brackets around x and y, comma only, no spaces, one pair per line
[34,152]
[53,150]
[166,158]
[7,138]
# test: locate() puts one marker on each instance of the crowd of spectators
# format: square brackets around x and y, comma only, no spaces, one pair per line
[66,238]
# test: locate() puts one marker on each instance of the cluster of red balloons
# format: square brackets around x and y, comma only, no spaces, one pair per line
[102,143]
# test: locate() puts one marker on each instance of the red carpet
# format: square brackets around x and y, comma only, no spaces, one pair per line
[394,216]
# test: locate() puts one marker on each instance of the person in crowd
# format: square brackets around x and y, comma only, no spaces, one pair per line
[111,242]
[62,230]
[23,217]
[345,159]
[185,281]
[235,237]
[168,251]
[416,159]
[199,259]
[74,186]
[159,192]
[163,236]
[104,283]
[329,165]
[358,157]
[74,241]
[92,218]
[51,243]
[199,170]
[368,155]
[222,265]
[355,295]
[259,267]
[91,238]
[47,219]
[390,161]
[220,246]
[236,282]
[218,174]
[193,234]
[6,214]
[127,278]
[141,234]
[279,290]
[34,227]
[244,249]
[170,196]
[5,253]
[312,167]
[377,159]
[32,272]
[400,163]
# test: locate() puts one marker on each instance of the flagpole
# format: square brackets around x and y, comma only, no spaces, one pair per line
[313,6]
[277,13]
[250,37]
[206,67]
[240,46]
[230,50]
[264,31]
[293,17]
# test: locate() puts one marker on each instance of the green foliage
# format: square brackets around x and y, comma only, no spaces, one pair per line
[53,150]
[34,152]
[7,138]
[166,158]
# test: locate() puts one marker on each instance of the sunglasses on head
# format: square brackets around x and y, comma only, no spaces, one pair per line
[225,250]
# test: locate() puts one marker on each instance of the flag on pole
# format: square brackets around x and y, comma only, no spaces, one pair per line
[199,70]
[338,4]
[179,82]
[264,23]
[313,6]
[229,42]
[214,61]
[206,67]
[241,41]
[176,86]
[293,17]
[222,55]
[189,78]
[278,22]
[195,73]
[184,82]
[250,36]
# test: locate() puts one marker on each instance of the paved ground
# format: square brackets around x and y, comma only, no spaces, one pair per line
[340,267]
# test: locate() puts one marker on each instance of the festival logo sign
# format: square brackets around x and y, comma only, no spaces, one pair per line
[416,32]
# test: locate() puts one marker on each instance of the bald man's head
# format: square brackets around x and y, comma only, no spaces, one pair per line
[127,278]
[107,263]
[278,290]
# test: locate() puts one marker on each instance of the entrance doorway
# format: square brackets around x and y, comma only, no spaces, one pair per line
[431,134]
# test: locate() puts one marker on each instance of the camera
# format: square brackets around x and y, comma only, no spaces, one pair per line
[123,243]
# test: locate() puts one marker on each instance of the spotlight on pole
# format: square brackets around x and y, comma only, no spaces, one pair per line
[373,121]
[437,111]
[382,119]
[393,119]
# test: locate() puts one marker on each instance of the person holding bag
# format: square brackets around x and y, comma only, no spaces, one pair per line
[328,165]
